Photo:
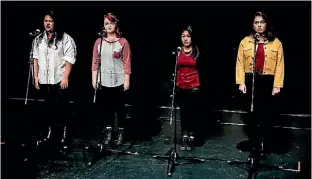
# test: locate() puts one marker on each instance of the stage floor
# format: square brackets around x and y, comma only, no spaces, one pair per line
[288,146]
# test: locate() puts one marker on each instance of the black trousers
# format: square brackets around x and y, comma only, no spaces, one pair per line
[110,102]
[265,110]
[56,110]
[189,101]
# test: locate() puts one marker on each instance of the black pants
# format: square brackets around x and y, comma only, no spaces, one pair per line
[110,102]
[189,101]
[56,110]
[265,109]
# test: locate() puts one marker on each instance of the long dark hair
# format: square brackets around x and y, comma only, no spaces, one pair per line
[58,33]
[269,29]
[195,50]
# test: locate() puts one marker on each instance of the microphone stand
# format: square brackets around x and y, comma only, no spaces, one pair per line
[98,84]
[33,143]
[253,73]
[100,146]
[256,154]
[31,69]
[173,155]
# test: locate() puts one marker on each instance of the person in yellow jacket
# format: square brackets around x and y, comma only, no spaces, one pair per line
[269,56]
[267,63]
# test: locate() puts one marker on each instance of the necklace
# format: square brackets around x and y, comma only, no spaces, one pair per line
[187,53]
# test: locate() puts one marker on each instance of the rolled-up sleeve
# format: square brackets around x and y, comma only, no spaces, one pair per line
[70,51]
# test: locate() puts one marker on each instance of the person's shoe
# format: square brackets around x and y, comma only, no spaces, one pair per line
[120,136]
[108,136]
[64,140]
[244,146]
[191,140]
[184,142]
[48,137]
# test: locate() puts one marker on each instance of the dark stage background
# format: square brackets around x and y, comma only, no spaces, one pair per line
[153,30]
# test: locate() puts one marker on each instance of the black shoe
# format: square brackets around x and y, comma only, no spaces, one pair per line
[244,146]
[48,137]
[64,140]
[120,136]
[44,136]
[184,142]
[191,140]
[108,136]
[263,150]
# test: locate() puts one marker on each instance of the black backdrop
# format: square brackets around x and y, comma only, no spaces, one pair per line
[153,31]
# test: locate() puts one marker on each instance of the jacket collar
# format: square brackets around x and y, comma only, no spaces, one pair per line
[252,39]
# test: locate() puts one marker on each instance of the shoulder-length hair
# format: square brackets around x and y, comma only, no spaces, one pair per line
[269,29]
[113,18]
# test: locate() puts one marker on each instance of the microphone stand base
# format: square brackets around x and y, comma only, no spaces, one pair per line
[173,160]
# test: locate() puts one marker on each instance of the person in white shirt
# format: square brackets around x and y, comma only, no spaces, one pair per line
[54,54]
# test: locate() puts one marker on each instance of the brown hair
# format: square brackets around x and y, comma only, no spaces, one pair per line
[112,17]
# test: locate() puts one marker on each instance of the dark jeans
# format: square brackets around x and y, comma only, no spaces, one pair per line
[189,101]
[56,110]
[111,101]
[265,111]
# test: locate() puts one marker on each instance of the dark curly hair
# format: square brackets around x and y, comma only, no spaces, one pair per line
[57,35]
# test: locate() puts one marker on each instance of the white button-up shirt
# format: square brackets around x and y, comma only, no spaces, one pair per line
[52,60]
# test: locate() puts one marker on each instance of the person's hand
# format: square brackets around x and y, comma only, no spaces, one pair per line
[37,84]
[94,84]
[242,88]
[64,83]
[126,84]
[275,91]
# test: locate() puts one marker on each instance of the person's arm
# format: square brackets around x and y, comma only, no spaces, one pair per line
[36,66]
[70,59]
[279,71]
[240,71]
[95,62]
[126,54]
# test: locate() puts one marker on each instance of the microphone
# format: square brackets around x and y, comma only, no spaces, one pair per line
[257,36]
[178,50]
[35,32]
[101,33]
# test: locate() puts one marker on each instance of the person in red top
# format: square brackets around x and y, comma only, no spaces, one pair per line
[188,88]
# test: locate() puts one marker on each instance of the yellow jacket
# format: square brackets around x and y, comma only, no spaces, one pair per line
[273,62]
